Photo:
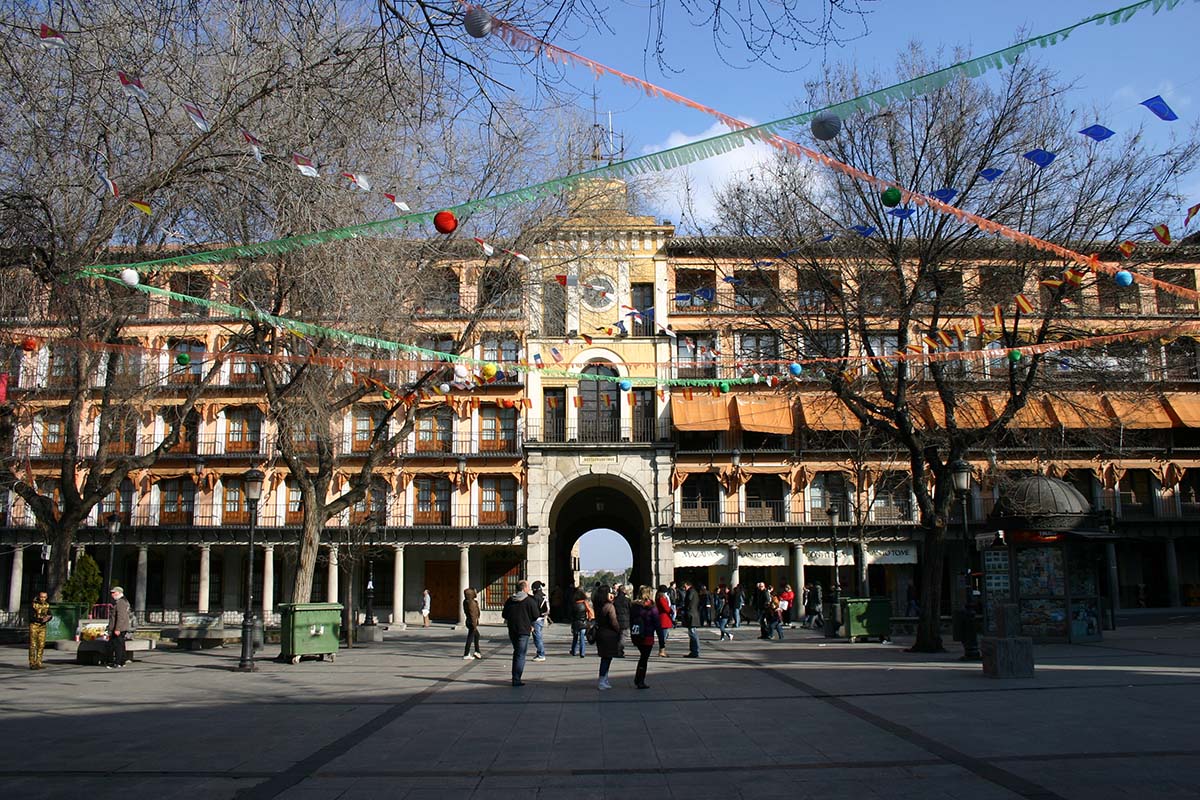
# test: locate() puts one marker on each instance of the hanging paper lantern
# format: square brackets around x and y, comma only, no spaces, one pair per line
[183,359]
[444,388]
[445,222]
[130,277]
[387,395]
[772,381]
[478,22]
[625,385]
[795,368]
[29,344]
[1124,278]
[489,371]
[890,197]
[461,373]
[756,378]
[826,125]
[1014,356]
[723,386]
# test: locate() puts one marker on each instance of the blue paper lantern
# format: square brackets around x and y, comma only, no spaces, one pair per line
[795,369]
[1124,278]
[625,385]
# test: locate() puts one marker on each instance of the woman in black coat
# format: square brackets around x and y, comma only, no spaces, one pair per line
[608,634]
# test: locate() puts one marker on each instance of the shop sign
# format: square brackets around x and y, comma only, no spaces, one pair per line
[692,556]
[823,556]
[891,553]
[762,555]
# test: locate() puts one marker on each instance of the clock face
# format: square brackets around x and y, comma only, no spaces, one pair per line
[599,292]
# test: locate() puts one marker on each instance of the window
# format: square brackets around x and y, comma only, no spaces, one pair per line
[1116,299]
[1182,363]
[54,433]
[433,501]
[123,435]
[20,288]
[234,510]
[442,297]
[828,490]
[892,499]
[755,289]
[695,289]
[176,501]
[1070,294]
[243,430]
[192,284]
[500,290]
[503,351]
[216,573]
[1128,360]
[941,288]
[879,291]
[497,501]
[119,502]
[498,429]
[125,368]
[554,309]
[765,499]
[242,371]
[13,366]
[60,367]
[1168,303]
[600,405]
[372,506]
[645,416]
[439,344]
[500,576]
[818,291]
[879,345]
[642,299]
[755,347]
[189,373]
[999,282]
[365,421]
[434,426]
[301,437]
[189,430]
[294,513]
[700,500]
[696,355]
[554,414]
[1136,494]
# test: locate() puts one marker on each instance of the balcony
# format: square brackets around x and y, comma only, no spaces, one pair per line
[765,512]
[244,447]
[555,430]
[726,441]
[465,443]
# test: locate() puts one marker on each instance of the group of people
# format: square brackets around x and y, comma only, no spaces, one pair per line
[120,621]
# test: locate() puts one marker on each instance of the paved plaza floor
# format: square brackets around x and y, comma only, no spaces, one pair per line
[799,718]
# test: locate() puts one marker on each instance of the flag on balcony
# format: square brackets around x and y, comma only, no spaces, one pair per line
[662,395]
[732,280]
[197,117]
[607,400]
[945,338]
[632,398]
[527,402]
[1159,108]
[716,391]
[1191,212]
[1162,233]
[621,327]
[1023,304]
[689,343]
[1126,247]
[578,401]
[980,327]
[1073,276]
[587,339]
[687,393]
[998,316]
[557,356]
[666,330]
[3,387]
[132,87]
[537,361]
[1051,283]
[552,402]
[706,294]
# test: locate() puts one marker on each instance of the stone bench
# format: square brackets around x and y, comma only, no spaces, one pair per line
[197,631]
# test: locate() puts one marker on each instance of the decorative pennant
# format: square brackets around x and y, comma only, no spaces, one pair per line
[133,87]
[1162,233]
[1073,276]
[706,294]
[305,166]
[1039,157]
[1159,108]
[666,330]
[1051,283]
[52,39]
[112,187]
[1191,212]
[930,342]
[578,401]
[944,195]
[632,396]
[254,144]
[399,204]
[586,339]
[945,338]
[621,327]
[826,238]
[537,361]
[142,207]
[197,117]
[360,181]
[732,280]
[1023,304]
[557,356]
[1097,132]
[960,333]
[998,316]
[524,259]
[865,231]
[552,402]
[902,213]
[980,327]
[1126,247]
[990,174]
[488,250]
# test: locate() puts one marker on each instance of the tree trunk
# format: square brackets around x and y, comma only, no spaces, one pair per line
[61,539]
[310,545]
[929,624]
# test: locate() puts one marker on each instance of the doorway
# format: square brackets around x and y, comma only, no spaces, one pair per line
[441,579]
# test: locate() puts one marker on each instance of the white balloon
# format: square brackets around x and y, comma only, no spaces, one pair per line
[826,125]
[461,372]
[478,22]
[130,277]
[444,388]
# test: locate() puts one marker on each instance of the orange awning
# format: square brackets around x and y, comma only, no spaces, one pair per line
[766,413]
[700,413]
[825,412]
[1032,415]
[1142,412]
[969,411]
[1077,411]
[1186,407]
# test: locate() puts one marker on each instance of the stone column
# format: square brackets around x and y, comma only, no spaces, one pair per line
[268,587]
[464,580]
[398,586]
[797,571]
[14,581]
[205,566]
[331,583]
[1174,598]
[734,579]
[1114,584]
[143,570]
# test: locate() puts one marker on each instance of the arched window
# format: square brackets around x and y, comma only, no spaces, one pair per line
[600,406]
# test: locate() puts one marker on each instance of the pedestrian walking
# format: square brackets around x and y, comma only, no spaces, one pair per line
[539,625]
[762,604]
[775,621]
[812,609]
[426,606]
[787,602]
[471,612]
[691,618]
[608,634]
[520,611]
[39,617]
[738,598]
[706,606]
[663,603]
[725,620]
[622,605]
[118,627]
[581,615]
[643,627]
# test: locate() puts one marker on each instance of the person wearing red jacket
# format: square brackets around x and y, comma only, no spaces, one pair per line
[665,623]
[787,601]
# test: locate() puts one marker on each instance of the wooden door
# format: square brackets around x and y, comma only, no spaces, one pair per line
[441,579]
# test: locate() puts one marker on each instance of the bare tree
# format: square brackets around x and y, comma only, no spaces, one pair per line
[855,281]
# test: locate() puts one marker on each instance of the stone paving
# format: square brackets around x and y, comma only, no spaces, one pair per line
[804,717]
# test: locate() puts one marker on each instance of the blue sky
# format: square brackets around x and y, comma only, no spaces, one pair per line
[1113,67]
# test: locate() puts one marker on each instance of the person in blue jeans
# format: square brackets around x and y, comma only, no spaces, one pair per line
[774,621]
[581,612]
[520,610]
[539,594]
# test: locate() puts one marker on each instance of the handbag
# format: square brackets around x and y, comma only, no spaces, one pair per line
[591,632]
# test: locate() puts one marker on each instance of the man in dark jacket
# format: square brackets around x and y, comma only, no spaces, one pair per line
[762,603]
[691,618]
[521,610]
[621,604]
[118,627]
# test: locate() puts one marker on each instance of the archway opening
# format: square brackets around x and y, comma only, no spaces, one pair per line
[603,556]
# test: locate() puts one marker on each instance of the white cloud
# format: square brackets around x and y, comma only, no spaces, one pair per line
[705,177]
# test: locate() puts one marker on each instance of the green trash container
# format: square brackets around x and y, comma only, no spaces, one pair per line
[309,629]
[867,618]
[65,621]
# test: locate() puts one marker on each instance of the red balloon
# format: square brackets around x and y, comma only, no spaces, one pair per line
[29,344]
[445,222]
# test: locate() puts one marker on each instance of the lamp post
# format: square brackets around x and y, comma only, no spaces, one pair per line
[370,611]
[833,620]
[960,475]
[252,483]
[114,527]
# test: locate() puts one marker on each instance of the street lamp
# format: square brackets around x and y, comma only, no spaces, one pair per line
[960,475]
[834,620]
[252,482]
[370,613]
[114,527]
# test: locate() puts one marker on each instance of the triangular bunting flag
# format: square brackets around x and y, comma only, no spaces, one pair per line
[305,166]
[1162,233]
[197,117]
[132,87]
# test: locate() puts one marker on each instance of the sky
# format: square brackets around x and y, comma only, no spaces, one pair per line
[1113,67]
